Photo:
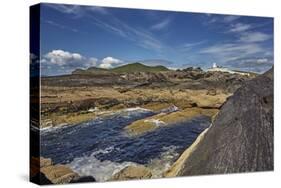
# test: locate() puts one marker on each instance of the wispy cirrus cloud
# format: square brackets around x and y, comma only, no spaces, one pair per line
[239,27]
[111,23]
[216,18]
[76,10]
[99,10]
[230,18]
[235,55]
[162,24]
[61,26]
[191,45]
[141,37]
[245,47]
[254,37]
[226,39]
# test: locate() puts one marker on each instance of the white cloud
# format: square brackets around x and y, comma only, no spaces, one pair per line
[61,57]
[231,18]
[189,46]
[232,47]
[257,60]
[60,26]
[139,36]
[239,27]
[97,9]
[92,62]
[109,62]
[74,10]
[262,60]
[253,64]
[164,23]
[64,62]
[254,37]
[232,51]
[213,18]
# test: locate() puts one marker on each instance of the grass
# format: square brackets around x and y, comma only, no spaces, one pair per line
[138,67]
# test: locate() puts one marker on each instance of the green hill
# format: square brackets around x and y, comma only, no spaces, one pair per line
[133,67]
[91,70]
[138,67]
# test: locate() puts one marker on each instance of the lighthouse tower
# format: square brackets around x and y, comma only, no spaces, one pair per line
[214,65]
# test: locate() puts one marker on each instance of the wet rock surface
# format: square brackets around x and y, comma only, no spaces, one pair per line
[133,172]
[45,172]
[241,137]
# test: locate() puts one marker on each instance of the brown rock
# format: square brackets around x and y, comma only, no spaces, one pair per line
[132,172]
[59,174]
[211,92]
[45,162]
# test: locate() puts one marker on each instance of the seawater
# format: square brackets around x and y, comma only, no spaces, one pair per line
[101,147]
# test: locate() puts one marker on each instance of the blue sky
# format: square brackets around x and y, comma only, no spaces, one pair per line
[84,36]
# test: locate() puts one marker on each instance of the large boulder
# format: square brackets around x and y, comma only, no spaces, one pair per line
[241,137]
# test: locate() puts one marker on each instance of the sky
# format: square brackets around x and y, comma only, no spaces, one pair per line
[75,36]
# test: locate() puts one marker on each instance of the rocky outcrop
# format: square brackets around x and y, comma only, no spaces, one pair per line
[165,119]
[241,137]
[59,174]
[44,172]
[133,172]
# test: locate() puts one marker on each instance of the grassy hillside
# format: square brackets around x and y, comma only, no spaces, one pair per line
[138,67]
[134,67]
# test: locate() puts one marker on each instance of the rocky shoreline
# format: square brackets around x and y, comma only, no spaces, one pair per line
[245,127]
[73,99]
[189,93]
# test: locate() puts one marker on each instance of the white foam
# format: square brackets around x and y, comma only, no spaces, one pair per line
[161,164]
[156,122]
[104,170]
[124,112]
[100,170]
[138,109]
[170,109]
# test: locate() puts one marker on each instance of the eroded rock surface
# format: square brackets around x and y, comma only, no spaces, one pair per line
[241,138]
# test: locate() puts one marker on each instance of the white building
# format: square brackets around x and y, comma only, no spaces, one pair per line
[214,65]
[224,69]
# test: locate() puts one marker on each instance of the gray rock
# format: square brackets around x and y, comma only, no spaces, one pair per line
[241,138]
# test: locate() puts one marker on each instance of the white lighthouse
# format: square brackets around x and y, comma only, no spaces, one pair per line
[214,65]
